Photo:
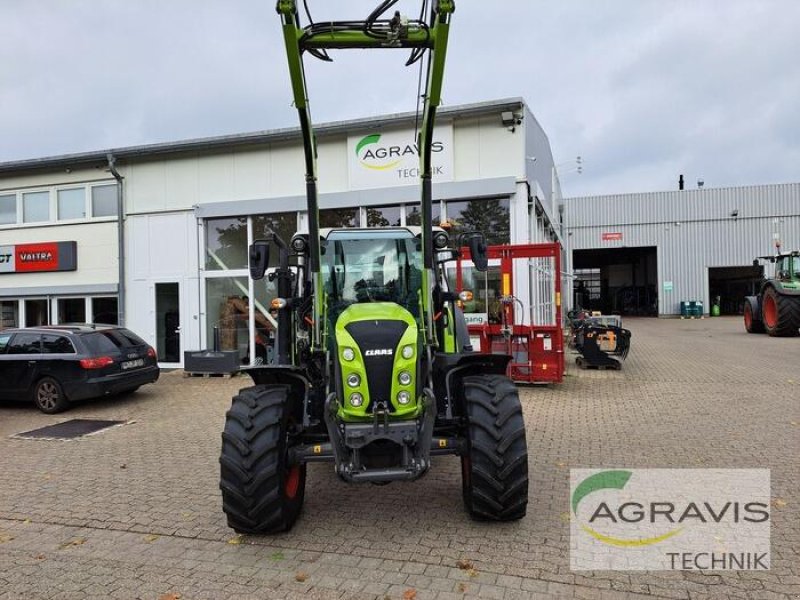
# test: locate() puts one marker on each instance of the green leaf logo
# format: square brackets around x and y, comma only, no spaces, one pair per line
[611,480]
[366,141]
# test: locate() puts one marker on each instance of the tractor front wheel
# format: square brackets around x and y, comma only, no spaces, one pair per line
[261,491]
[494,468]
[781,313]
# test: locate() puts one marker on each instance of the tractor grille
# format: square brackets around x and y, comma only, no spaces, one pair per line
[376,336]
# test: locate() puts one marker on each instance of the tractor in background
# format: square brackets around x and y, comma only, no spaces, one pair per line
[776,308]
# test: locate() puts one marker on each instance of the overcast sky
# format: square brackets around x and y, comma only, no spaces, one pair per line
[642,90]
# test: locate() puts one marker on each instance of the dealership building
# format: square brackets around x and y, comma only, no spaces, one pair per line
[156,236]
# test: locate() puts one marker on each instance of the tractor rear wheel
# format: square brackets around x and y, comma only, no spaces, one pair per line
[494,468]
[781,313]
[261,491]
[751,323]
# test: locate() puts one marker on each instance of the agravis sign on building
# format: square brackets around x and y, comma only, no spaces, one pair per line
[39,257]
[391,158]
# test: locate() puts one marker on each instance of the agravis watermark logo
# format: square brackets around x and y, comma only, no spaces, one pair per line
[668,519]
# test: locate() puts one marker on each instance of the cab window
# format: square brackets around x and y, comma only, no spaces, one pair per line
[4,337]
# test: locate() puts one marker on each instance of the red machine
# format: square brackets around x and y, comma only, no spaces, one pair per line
[497,319]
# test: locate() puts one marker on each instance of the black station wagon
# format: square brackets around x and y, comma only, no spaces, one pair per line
[55,365]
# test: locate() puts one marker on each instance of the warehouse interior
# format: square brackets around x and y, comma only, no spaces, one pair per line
[617,281]
[728,286]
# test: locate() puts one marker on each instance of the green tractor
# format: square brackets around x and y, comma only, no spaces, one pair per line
[373,366]
[776,309]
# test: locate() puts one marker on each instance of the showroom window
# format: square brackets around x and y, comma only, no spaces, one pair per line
[9,313]
[37,312]
[284,224]
[384,216]
[105,310]
[414,216]
[226,244]
[71,310]
[339,217]
[104,200]
[35,207]
[227,315]
[71,204]
[490,217]
[8,209]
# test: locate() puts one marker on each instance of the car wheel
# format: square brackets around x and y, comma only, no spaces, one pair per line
[48,395]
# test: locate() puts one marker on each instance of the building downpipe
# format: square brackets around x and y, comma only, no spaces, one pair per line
[120,239]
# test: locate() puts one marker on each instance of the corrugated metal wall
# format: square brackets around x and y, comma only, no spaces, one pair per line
[692,230]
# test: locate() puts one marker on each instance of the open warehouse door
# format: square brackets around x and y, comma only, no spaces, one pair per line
[728,286]
[619,281]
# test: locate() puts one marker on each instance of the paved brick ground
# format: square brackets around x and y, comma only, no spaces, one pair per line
[134,512]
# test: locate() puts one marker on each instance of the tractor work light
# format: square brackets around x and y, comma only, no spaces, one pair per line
[404,378]
[353,380]
[348,354]
[403,398]
[356,399]
[408,351]
[465,296]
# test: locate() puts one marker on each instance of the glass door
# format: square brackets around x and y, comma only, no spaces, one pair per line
[168,322]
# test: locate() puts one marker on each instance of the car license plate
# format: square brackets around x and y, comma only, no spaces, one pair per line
[132,364]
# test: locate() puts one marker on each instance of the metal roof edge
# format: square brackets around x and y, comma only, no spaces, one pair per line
[98,157]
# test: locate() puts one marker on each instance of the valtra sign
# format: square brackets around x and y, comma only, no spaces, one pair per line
[39,258]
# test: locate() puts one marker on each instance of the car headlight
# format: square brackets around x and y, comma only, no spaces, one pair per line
[348,354]
[356,399]
[404,378]
[353,380]
[403,398]
[408,351]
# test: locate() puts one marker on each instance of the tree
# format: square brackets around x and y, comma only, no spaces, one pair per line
[489,217]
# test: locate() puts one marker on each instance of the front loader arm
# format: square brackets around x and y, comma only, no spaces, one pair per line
[372,33]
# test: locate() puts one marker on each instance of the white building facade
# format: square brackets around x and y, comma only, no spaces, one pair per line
[190,209]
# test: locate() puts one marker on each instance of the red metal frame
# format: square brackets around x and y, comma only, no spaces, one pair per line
[537,351]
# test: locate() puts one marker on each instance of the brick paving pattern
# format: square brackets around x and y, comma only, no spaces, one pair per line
[134,511]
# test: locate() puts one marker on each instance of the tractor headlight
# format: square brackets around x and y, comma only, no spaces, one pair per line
[404,378]
[348,354]
[353,380]
[440,240]
[356,399]
[408,351]
[403,398]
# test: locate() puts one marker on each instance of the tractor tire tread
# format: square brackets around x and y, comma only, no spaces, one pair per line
[253,462]
[495,467]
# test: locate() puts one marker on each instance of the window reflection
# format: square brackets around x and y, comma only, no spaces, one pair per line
[383,216]
[489,217]
[226,244]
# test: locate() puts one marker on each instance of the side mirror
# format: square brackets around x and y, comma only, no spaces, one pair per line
[259,258]
[477,250]
[755,262]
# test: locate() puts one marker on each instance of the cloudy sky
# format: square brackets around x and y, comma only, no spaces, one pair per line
[642,90]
